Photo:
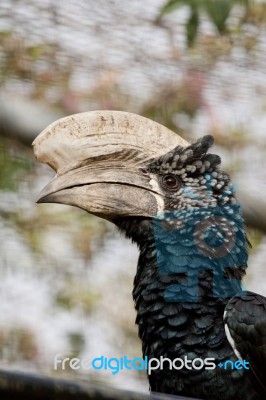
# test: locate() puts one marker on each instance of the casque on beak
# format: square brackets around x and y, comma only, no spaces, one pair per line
[98,158]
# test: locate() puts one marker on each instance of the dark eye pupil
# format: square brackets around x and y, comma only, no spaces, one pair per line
[171,182]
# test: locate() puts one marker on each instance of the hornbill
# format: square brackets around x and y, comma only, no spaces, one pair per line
[174,201]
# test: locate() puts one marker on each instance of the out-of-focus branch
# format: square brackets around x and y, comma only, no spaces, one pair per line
[16,385]
[23,120]
[254,209]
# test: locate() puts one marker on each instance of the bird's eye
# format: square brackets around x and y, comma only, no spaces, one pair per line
[170,182]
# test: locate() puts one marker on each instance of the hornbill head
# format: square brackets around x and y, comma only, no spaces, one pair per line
[133,171]
[126,168]
[101,160]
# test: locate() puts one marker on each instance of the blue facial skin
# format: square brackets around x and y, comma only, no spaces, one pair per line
[198,239]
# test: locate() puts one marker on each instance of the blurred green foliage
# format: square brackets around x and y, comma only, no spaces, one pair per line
[218,12]
[75,295]
[17,343]
[14,165]
[34,64]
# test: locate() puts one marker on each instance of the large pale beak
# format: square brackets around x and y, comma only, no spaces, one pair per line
[99,158]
